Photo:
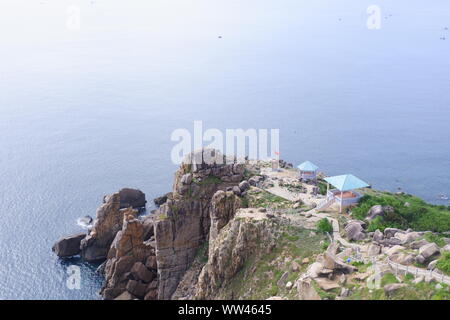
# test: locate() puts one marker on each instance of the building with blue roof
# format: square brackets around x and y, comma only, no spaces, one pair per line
[307,171]
[344,190]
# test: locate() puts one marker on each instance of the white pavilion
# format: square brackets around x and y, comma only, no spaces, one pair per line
[344,193]
[307,171]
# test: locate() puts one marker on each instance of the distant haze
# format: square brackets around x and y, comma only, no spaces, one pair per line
[86,112]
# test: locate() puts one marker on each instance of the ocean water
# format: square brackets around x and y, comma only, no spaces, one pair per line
[86,112]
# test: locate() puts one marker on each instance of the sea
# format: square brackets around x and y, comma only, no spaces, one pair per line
[92,91]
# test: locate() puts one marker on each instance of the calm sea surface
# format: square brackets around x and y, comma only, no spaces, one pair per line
[86,112]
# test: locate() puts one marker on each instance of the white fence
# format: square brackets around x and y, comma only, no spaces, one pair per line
[438,276]
[325,203]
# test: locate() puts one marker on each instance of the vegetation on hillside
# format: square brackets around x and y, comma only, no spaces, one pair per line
[259,277]
[409,212]
[262,199]
[322,185]
[323,225]
[413,291]
[443,263]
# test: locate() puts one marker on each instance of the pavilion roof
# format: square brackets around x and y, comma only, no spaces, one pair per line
[307,166]
[346,182]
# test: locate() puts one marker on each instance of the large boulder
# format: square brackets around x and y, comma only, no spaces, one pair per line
[327,284]
[377,211]
[406,238]
[255,180]
[378,236]
[446,248]
[332,262]
[390,288]
[236,190]
[393,241]
[429,250]
[161,200]
[125,296]
[418,243]
[137,288]
[403,258]
[132,198]
[395,249]
[109,220]
[149,230]
[140,272]
[306,290]
[373,249]
[390,232]
[314,270]
[432,264]
[355,231]
[68,246]
[244,185]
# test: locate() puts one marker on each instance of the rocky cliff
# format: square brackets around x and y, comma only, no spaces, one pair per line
[233,245]
[183,222]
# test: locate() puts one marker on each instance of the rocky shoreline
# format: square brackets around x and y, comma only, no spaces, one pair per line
[220,223]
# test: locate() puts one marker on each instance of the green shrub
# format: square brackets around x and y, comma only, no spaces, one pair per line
[438,239]
[324,246]
[322,185]
[419,215]
[323,225]
[443,263]
[388,278]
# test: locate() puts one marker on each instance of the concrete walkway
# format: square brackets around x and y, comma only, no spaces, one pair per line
[309,199]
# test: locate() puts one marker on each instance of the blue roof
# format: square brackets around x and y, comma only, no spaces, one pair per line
[307,166]
[346,182]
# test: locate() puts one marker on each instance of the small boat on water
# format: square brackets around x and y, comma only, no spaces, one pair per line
[442,196]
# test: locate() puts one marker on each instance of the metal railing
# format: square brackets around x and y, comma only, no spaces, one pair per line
[438,276]
[324,204]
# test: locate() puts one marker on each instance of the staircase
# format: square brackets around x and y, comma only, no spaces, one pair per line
[325,204]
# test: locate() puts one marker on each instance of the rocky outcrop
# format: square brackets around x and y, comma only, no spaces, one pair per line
[390,288]
[427,252]
[378,211]
[131,198]
[332,262]
[378,236]
[162,199]
[418,243]
[390,232]
[183,222]
[108,222]
[354,230]
[236,242]
[126,269]
[68,246]
[223,208]
[373,250]
[306,290]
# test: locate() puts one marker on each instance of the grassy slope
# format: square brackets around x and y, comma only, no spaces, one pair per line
[419,215]
[420,291]
[260,274]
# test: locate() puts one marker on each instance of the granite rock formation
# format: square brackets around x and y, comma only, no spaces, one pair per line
[126,269]
[183,221]
[108,222]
